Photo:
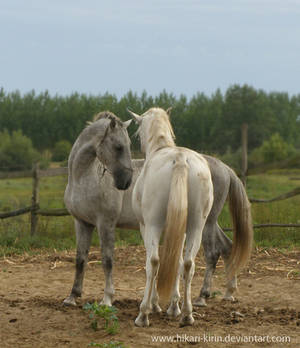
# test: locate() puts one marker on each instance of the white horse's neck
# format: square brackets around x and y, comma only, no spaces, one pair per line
[158,136]
[161,143]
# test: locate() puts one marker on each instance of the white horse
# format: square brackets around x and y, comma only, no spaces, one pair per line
[174,195]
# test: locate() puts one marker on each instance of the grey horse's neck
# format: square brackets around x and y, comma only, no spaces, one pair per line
[83,154]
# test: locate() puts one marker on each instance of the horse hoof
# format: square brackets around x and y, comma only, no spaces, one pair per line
[105,302]
[156,308]
[229,298]
[186,321]
[69,301]
[142,320]
[200,302]
[173,311]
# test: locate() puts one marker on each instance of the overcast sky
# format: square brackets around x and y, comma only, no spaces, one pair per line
[183,46]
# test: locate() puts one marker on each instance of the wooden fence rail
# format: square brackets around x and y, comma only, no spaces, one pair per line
[35,211]
[29,173]
[34,208]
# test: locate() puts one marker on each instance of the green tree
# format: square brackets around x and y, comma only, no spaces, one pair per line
[242,104]
[16,151]
[61,150]
[272,150]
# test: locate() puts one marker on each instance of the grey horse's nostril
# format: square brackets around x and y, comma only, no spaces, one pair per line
[122,178]
[128,184]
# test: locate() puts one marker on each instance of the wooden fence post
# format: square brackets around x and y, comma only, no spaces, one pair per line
[244,133]
[35,198]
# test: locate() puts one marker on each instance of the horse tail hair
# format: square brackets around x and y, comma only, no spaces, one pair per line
[175,228]
[240,210]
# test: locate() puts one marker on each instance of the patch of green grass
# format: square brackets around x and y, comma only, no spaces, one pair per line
[215,294]
[58,232]
[111,322]
[283,212]
[16,193]
[128,237]
[52,234]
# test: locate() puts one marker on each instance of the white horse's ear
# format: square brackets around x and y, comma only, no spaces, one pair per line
[127,123]
[135,117]
[168,111]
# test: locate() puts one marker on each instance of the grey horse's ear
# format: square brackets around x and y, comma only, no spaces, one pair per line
[112,123]
[168,111]
[135,117]
[127,123]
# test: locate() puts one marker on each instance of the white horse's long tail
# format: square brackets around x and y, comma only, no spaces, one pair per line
[175,228]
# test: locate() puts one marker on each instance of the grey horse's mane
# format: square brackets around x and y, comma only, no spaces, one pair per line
[105,115]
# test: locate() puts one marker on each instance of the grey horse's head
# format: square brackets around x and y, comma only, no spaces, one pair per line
[113,150]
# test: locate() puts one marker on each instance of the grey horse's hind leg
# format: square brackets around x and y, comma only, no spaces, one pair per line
[106,231]
[84,233]
[211,254]
[226,245]
[215,243]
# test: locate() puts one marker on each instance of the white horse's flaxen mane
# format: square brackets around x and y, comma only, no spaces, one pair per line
[158,130]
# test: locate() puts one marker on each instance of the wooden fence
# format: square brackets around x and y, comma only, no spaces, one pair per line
[34,208]
[35,211]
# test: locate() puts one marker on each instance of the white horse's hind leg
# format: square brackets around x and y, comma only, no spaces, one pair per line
[155,307]
[174,310]
[151,240]
[193,241]
[106,231]
[83,240]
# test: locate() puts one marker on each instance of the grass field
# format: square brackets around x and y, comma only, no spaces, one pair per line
[58,232]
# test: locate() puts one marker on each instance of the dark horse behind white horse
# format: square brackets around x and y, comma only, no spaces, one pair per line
[88,208]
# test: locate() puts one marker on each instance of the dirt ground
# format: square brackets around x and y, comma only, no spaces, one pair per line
[32,289]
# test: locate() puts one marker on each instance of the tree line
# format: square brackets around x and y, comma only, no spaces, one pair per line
[208,124]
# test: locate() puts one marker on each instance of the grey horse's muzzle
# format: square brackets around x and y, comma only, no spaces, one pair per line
[122,178]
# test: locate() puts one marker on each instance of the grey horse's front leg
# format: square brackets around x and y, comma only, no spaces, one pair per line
[83,239]
[106,231]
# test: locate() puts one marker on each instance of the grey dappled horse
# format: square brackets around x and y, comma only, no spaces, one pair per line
[99,167]
[117,205]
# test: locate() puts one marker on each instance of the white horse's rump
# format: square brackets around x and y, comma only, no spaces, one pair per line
[174,194]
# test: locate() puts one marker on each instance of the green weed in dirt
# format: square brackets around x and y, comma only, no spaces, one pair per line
[111,322]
